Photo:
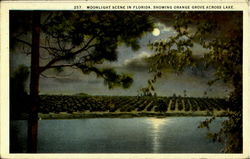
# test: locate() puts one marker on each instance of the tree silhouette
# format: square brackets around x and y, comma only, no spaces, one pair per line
[221,34]
[81,40]
[18,92]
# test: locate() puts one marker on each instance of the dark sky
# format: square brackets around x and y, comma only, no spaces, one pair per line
[132,62]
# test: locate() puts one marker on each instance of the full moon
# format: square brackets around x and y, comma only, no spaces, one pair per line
[156,32]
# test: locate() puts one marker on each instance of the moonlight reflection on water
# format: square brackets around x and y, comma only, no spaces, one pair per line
[156,124]
[118,135]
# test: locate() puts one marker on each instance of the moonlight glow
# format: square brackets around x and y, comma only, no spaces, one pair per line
[156,32]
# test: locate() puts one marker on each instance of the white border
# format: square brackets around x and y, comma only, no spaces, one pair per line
[238,5]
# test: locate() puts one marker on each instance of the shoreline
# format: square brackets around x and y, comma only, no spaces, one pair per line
[83,115]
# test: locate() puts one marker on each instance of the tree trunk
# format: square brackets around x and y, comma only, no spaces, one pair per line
[34,84]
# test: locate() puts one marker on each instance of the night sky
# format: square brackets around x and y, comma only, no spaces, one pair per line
[72,81]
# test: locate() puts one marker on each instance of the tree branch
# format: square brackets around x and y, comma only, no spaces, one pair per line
[56,59]
[22,41]
[59,76]
[47,19]
[85,47]
[63,65]
[43,47]
[53,61]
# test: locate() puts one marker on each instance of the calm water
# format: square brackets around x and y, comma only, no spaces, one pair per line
[115,135]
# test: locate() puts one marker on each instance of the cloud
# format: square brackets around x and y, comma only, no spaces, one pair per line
[138,62]
[165,28]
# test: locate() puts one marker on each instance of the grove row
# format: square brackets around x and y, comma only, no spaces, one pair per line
[62,103]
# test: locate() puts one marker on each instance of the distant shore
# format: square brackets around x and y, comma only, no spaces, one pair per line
[82,115]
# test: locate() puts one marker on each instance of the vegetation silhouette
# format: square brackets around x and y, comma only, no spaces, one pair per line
[18,92]
[77,40]
[83,40]
[222,35]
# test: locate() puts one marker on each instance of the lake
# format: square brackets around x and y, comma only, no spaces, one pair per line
[118,135]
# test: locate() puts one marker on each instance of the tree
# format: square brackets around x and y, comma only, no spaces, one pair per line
[81,40]
[18,92]
[221,34]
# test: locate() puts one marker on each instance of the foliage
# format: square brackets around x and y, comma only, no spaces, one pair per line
[80,40]
[18,93]
[84,40]
[66,103]
[161,105]
[223,41]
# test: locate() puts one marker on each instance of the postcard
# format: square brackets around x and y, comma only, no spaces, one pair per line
[123,79]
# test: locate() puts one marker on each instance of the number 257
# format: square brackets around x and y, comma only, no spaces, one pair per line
[77,7]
